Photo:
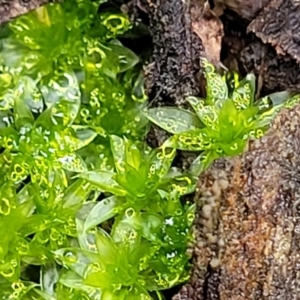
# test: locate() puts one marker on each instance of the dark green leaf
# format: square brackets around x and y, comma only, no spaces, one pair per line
[22,113]
[192,140]
[207,114]
[216,88]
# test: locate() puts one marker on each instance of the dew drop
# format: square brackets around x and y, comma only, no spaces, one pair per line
[60,240]
[15,295]
[43,237]
[54,235]
[190,217]
[22,248]
[129,212]
[5,206]
[17,286]
[14,263]
[95,266]
[171,255]
[9,272]
[178,212]
[70,257]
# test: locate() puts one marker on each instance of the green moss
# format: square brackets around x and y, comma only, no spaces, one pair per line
[224,121]
[72,132]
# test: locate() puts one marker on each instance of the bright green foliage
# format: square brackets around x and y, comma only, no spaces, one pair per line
[60,35]
[17,290]
[150,223]
[139,174]
[45,146]
[145,251]
[14,244]
[83,200]
[222,123]
[71,38]
[36,221]
[54,222]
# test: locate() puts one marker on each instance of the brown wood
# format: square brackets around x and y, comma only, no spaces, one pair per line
[266,44]
[248,221]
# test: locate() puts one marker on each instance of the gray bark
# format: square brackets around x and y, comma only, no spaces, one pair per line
[10,9]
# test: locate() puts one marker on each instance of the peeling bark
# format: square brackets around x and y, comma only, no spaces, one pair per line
[247,53]
[247,9]
[263,37]
[209,28]
[279,72]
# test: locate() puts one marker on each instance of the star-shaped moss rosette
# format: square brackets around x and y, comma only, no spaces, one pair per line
[73,36]
[53,223]
[16,210]
[139,174]
[125,264]
[224,121]
[147,217]
[45,146]
[144,253]
[36,222]
[60,35]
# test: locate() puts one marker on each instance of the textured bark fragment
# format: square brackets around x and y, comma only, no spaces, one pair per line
[10,9]
[247,53]
[207,25]
[278,72]
[247,9]
[248,224]
[173,71]
[176,51]
[278,24]
[271,48]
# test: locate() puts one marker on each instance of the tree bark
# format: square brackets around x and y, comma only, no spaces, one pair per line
[266,43]
[10,9]
[172,75]
[248,226]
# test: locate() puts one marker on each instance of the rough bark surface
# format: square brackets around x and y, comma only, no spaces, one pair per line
[173,72]
[247,9]
[248,53]
[172,75]
[279,72]
[10,9]
[278,25]
[248,225]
